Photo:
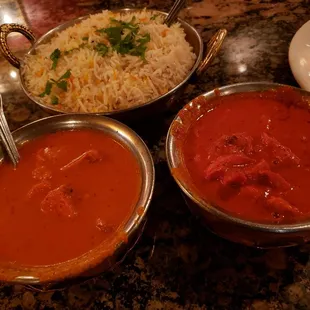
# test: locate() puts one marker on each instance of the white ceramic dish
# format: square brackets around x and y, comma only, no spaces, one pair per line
[299,56]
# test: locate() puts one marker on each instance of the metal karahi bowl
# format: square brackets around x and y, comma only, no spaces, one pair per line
[149,108]
[218,221]
[96,260]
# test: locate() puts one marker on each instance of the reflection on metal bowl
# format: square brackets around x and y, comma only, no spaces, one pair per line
[221,223]
[95,261]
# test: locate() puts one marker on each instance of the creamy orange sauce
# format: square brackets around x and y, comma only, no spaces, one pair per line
[71,191]
[249,154]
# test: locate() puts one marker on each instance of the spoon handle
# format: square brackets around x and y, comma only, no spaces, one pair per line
[7,137]
[174,11]
[7,148]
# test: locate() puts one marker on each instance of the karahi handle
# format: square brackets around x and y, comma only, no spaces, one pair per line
[5,30]
[213,48]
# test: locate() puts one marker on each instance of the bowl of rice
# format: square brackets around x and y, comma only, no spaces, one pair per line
[110,63]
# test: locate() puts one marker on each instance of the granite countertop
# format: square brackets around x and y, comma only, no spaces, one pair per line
[178,264]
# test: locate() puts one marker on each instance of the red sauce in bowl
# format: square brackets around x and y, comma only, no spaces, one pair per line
[71,191]
[249,154]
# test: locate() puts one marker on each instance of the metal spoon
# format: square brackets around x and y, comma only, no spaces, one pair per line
[7,138]
[174,11]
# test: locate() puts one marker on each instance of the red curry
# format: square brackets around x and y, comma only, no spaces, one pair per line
[71,191]
[249,154]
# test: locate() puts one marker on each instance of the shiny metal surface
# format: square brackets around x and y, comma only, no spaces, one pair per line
[7,138]
[149,108]
[5,30]
[213,47]
[221,223]
[94,261]
[174,12]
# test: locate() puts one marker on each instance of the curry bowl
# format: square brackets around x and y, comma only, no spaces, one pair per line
[114,241]
[162,102]
[252,220]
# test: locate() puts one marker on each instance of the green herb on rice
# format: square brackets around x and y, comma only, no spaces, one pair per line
[54,100]
[75,48]
[60,83]
[101,48]
[55,57]
[48,88]
[154,16]
[124,38]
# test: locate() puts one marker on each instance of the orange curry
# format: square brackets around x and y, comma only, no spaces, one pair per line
[71,191]
[249,154]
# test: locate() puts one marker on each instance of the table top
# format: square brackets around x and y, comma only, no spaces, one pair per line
[178,264]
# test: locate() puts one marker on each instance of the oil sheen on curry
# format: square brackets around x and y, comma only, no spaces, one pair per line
[71,191]
[249,154]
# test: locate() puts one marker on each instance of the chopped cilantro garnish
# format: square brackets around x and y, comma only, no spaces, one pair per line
[54,100]
[130,25]
[63,85]
[114,34]
[101,30]
[139,50]
[55,57]
[85,38]
[123,40]
[66,75]
[75,49]
[113,20]
[144,39]
[101,48]
[48,88]
[125,45]
[154,16]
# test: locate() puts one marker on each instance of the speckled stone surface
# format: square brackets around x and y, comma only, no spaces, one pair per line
[178,264]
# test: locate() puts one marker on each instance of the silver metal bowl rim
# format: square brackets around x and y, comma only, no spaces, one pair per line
[171,157]
[79,19]
[147,187]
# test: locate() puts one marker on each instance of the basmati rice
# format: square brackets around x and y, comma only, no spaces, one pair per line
[114,81]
